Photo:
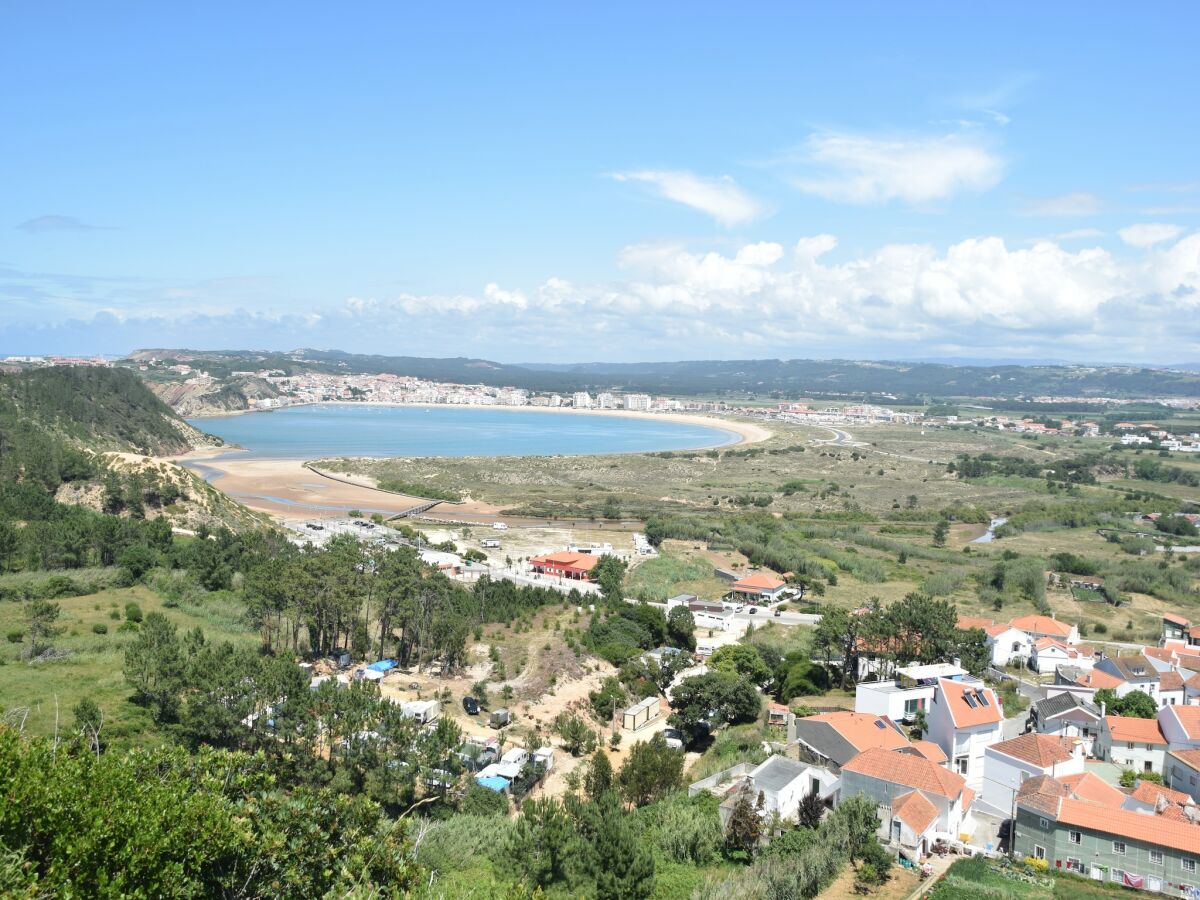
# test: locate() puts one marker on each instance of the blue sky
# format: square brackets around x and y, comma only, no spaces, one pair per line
[616,182]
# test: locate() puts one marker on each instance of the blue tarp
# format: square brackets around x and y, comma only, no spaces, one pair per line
[494,783]
[383,665]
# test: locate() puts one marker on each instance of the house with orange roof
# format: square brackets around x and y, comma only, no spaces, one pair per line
[1039,626]
[1180,726]
[1050,653]
[1091,787]
[1175,627]
[927,749]
[918,799]
[1137,744]
[1005,642]
[565,564]
[964,719]
[833,739]
[1136,672]
[1148,797]
[760,587]
[1085,684]
[1183,772]
[1007,764]
[1155,852]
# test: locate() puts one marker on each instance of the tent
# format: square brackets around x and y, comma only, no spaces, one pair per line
[384,665]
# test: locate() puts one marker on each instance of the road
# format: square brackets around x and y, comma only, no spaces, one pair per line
[840,438]
[784,618]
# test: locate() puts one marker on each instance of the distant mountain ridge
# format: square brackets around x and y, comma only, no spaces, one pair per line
[784,378]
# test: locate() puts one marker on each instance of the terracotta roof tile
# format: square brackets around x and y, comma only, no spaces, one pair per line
[1177,619]
[909,770]
[965,623]
[930,751]
[967,713]
[759,581]
[1042,625]
[1170,681]
[915,811]
[1148,792]
[1123,823]
[1139,731]
[1188,757]
[863,731]
[1041,750]
[1098,680]
[1091,787]
[1042,793]
[1188,718]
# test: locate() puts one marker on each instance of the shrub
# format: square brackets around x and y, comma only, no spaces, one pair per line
[133,612]
[99,628]
[15,637]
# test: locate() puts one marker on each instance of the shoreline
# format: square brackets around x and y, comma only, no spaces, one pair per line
[286,490]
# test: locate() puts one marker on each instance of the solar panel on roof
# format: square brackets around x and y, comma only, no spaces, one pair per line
[970,700]
[879,723]
[982,697]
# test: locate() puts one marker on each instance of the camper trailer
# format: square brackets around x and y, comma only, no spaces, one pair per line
[499,718]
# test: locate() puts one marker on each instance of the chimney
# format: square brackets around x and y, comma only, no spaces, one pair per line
[1103,708]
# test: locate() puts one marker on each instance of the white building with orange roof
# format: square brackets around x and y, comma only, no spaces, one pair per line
[1039,626]
[761,587]
[919,800]
[1180,726]
[1048,654]
[833,739]
[1137,744]
[1183,772]
[964,719]
[1007,764]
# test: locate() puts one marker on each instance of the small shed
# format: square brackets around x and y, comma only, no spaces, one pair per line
[641,714]
[499,718]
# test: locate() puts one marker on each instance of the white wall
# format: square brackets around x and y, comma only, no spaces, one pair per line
[1002,777]
[1135,758]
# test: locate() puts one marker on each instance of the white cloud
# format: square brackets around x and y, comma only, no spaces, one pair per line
[1075,203]
[858,169]
[720,197]
[1147,234]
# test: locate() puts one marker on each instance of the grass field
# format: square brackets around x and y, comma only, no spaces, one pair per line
[93,668]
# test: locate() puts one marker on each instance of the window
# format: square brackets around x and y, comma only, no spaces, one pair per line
[1043,824]
[1189,865]
[1118,875]
[1074,865]
[1129,746]
[1119,848]
[1192,780]
[1156,857]
[961,765]
[1039,852]
[1075,837]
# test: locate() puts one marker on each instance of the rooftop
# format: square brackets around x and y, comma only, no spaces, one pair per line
[1047,625]
[970,704]
[915,811]
[1139,731]
[1041,750]
[1123,823]
[1062,703]
[777,772]
[1188,718]
[909,770]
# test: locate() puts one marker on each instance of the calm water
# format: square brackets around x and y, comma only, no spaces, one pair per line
[311,432]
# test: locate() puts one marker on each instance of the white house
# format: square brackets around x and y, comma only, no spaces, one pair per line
[911,691]
[1007,764]
[964,719]
[918,800]
[783,783]
[1037,626]
[1007,644]
[1137,744]
[1048,654]
[1068,715]
[1183,772]
[1180,725]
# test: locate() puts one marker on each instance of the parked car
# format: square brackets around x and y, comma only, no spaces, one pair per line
[753,610]
[778,613]
[471,706]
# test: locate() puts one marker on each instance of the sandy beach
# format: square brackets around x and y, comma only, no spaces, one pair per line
[288,490]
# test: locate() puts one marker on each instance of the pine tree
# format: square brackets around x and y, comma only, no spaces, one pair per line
[599,780]
[620,866]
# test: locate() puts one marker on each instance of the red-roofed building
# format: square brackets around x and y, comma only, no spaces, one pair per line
[1091,787]
[566,564]
[1050,653]
[1174,627]
[1149,797]
[760,586]
[964,719]
[1137,744]
[1180,726]
[1183,772]
[1038,626]
[889,778]
[1009,763]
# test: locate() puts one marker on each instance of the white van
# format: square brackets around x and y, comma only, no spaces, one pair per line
[500,526]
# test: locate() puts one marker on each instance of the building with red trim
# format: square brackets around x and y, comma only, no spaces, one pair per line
[565,564]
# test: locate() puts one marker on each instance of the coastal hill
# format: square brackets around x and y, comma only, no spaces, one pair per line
[772,377]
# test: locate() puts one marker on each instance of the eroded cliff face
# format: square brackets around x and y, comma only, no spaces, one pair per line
[214,398]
